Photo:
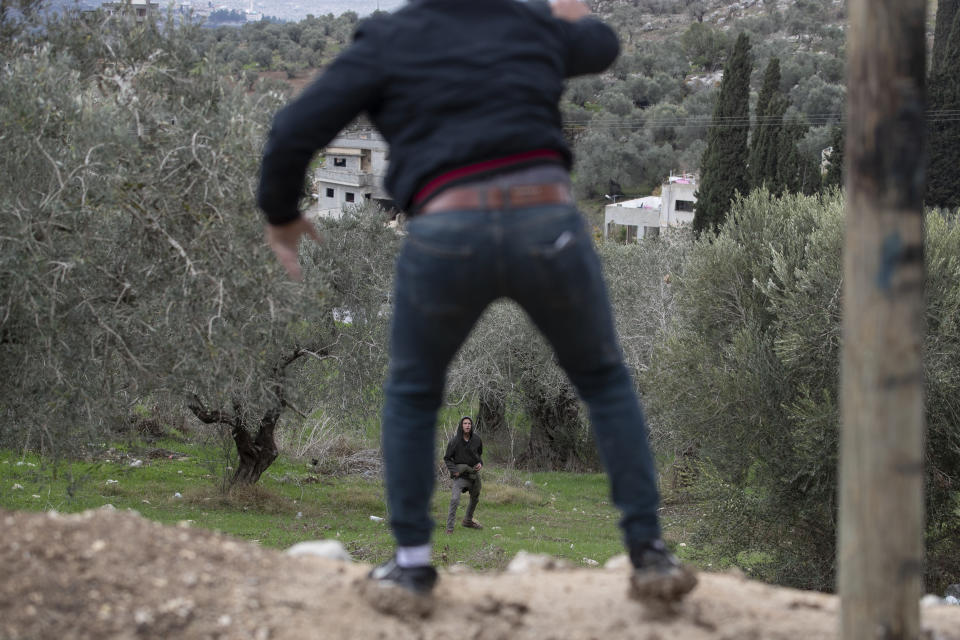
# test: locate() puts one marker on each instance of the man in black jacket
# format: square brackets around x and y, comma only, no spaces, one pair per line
[464,461]
[467,95]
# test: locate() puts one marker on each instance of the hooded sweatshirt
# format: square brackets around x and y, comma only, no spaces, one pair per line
[459,451]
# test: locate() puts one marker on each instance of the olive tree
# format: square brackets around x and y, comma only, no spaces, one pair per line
[131,254]
[745,382]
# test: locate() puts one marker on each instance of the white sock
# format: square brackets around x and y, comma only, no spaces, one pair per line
[414,556]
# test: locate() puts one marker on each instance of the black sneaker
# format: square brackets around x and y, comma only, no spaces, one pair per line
[419,580]
[657,574]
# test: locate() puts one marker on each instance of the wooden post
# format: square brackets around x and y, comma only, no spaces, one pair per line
[880,551]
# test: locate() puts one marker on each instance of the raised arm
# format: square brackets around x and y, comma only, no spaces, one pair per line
[592,46]
[349,86]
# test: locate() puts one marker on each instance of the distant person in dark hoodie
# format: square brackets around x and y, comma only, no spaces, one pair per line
[467,94]
[464,460]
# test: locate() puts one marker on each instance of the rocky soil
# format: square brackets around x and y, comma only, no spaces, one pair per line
[110,574]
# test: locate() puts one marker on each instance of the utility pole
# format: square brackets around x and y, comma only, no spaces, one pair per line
[880,551]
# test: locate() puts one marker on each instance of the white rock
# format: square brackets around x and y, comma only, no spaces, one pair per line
[177,495]
[136,463]
[376,518]
[458,568]
[525,562]
[931,600]
[143,617]
[299,514]
[952,600]
[108,507]
[590,562]
[111,482]
[617,563]
[527,484]
[331,549]
[17,486]
[224,620]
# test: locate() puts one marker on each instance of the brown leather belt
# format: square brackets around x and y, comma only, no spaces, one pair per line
[489,197]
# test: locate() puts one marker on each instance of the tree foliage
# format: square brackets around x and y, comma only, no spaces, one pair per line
[132,255]
[764,143]
[943,173]
[724,171]
[834,175]
[754,353]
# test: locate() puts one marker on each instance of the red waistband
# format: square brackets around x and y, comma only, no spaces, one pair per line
[460,173]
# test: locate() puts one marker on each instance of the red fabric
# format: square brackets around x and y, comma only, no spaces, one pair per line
[444,179]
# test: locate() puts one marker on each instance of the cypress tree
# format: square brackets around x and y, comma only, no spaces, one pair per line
[797,172]
[811,179]
[943,173]
[724,170]
[765,161]
[767,126]
[788,161]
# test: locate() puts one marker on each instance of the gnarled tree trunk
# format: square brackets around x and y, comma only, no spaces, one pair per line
[256,452]
[556,432]
[492,414]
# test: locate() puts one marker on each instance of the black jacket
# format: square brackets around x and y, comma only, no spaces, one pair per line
[467,452]
[448,83]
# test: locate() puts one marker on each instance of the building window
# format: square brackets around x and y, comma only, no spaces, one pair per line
[339,162]
[684,205]
[349,197]
[330,193]
[367,196]
[631,233]
[651,232]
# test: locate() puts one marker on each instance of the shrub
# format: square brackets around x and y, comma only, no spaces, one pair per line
[747,377]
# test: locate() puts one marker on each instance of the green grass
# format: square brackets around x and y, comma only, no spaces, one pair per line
[561,514]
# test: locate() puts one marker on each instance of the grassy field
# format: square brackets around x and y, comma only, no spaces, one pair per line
[561,514]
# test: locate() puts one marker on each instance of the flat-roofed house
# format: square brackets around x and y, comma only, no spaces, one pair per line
[139,9]
[351,173]
[645,217]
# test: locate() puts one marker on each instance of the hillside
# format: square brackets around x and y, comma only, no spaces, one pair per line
[108,574]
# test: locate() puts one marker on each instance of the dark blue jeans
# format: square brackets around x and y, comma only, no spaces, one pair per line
[452,265]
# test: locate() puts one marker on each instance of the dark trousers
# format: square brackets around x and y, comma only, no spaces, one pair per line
[473,488]
[452,265]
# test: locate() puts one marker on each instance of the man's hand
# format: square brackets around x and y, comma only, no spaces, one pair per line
[569,10]
[478,467]
[285,242]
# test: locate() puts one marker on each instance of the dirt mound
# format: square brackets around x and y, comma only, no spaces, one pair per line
[110,574]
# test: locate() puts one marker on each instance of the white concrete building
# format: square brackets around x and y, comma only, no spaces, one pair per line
[645,217]
[352,172]
[139,9]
